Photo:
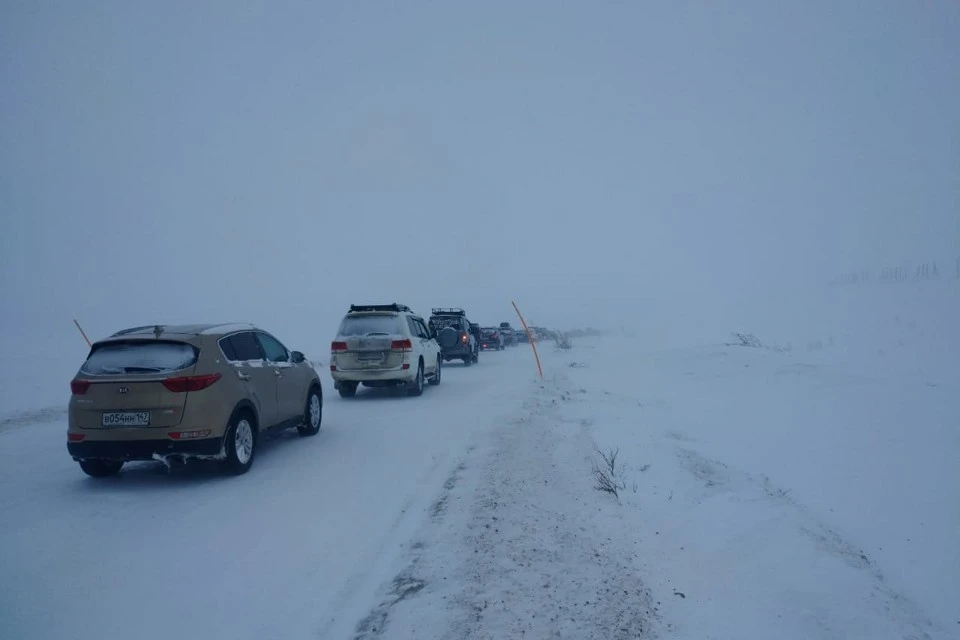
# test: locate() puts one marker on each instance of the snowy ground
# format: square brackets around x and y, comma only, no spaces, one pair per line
[765,493]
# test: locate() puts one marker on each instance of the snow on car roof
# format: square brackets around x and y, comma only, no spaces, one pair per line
[228,327]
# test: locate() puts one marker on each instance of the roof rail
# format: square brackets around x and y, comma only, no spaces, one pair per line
[379,307]
[455,311]
[124,332]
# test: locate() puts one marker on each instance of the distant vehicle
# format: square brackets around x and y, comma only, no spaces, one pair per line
[458,337]
[184,392]
[509,336]
[382,345]
[491,339]
[521,335]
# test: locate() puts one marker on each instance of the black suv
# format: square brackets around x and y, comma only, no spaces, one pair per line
[458,337]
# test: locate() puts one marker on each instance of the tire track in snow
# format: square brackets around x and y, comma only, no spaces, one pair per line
[718,478]
[34,417]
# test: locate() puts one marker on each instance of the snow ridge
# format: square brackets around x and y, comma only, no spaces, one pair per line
[533,552]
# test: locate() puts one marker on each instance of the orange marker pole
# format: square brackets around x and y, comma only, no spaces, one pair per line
[529,338]
[82,333]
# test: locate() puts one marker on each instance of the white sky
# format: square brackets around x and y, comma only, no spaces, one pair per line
[275,161]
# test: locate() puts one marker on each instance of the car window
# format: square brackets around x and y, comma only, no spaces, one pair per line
[272,348]
[364,325]
[139,357]
[241,347]
[414,327]
[227,348]
[424,332]
[440,322]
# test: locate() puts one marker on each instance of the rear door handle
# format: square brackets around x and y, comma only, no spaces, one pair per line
[277,373]
[242,375]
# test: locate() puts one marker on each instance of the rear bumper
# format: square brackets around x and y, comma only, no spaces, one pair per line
[374,375]
[465,351]
[489,345]
[143,449]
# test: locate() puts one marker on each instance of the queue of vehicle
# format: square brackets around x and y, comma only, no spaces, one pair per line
[176,393]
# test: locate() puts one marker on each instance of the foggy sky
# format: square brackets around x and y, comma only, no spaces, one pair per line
[276,161]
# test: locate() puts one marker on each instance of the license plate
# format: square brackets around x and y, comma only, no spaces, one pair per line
[126,419]
[373,356]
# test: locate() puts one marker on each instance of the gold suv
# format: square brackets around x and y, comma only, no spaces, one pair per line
[181,392]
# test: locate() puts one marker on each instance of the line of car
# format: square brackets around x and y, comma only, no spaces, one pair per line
[210,392]
[390,345]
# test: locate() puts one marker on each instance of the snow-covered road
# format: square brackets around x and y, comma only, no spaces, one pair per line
[764,493]
[296,546]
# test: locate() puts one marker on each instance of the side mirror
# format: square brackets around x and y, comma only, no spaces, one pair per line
[297,357]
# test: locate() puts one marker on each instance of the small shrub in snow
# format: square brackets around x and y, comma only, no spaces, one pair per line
[746,340]
[564,343]
[608,475]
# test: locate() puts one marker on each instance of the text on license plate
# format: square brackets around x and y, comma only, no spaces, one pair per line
[371,356]
[126,419]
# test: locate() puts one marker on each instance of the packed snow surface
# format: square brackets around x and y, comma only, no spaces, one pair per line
[805,486]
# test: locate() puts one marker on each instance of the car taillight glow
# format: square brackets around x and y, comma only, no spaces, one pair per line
[190,383]
[401,345]
[75,437]
[338,347]
[464,338]
[189,435]
[79,387]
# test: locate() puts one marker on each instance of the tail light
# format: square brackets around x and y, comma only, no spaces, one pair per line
[75,437]
[190,383]
[464,338]
[338,347]
[401,345]
[79,387]
[189,435]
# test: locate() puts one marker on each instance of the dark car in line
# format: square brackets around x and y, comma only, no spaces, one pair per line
[491,339]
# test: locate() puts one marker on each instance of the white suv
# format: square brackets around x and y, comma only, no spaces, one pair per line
[382,345]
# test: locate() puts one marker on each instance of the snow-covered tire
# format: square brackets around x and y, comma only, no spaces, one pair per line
[240,444]
[101,468]
[312,414]
[416,387]
[435,380]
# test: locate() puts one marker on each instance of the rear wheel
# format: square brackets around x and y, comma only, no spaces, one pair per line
[241,444]
[416,388]
[312,414]
[101,468]
[468,360]
[347,389]
[435,380]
